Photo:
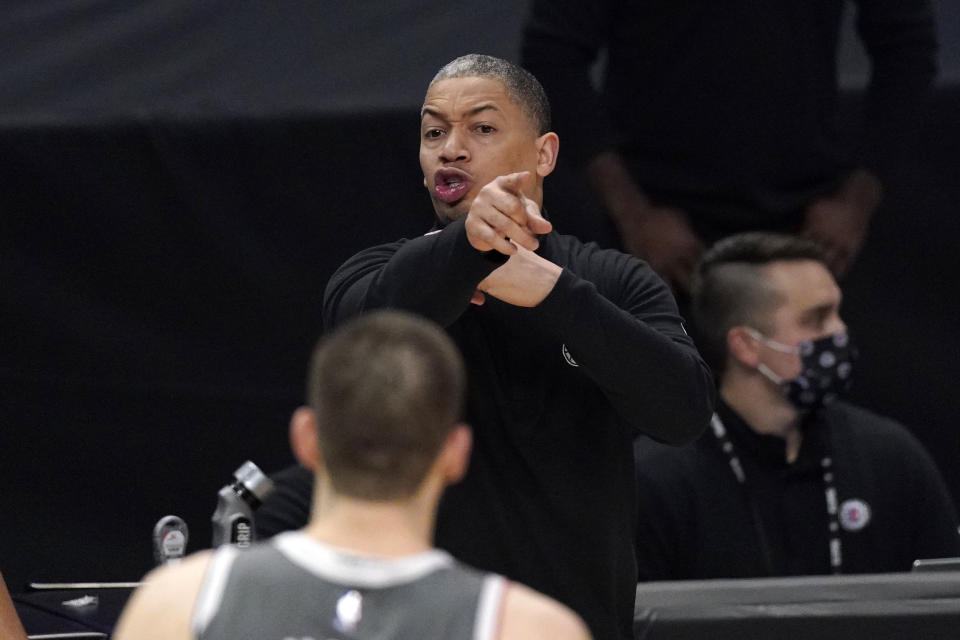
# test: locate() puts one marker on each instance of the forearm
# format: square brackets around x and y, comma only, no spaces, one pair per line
[434,276]
[647,366]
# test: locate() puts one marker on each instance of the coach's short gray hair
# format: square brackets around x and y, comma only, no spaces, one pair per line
[521,86]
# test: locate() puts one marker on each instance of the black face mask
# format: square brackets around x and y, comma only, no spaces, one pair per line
[826,374]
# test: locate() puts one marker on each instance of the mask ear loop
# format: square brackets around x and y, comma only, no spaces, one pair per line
[769,374]
[776,346]
[773,344]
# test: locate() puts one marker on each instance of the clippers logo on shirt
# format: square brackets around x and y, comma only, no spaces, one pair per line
[854,514]
[568,357]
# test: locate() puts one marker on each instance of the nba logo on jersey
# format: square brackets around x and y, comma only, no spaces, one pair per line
[349,610]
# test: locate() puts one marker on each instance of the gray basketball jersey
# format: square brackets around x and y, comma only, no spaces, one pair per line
[296,588]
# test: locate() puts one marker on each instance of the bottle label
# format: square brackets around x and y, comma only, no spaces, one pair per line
[174,544]
[241,533]
[169,539]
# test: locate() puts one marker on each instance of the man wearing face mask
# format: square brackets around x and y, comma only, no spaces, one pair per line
[790,479]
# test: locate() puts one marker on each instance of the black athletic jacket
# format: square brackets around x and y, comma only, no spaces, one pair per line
[556,394]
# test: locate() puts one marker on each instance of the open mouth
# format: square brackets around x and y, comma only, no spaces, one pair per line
[450,185]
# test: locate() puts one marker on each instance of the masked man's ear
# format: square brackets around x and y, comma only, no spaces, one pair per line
[743,346]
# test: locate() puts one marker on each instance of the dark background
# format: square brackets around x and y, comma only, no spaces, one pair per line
[179,179]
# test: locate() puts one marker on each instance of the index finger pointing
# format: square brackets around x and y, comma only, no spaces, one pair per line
[536,223]
[518,183]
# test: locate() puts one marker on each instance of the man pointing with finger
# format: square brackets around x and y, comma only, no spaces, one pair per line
[570,350]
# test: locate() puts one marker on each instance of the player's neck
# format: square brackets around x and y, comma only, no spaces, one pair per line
[764,409]
[388,528]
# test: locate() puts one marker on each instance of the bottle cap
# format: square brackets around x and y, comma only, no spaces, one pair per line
[256,481]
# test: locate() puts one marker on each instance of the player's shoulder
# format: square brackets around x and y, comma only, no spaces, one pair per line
[162,606]
[172,578]
[530,615]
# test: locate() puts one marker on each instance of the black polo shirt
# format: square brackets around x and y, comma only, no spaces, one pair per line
[695,519]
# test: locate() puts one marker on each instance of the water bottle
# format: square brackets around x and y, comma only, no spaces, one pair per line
[236,502]
[170,536]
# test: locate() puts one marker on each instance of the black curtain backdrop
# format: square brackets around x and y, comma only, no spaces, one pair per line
[93,57]
[177,182]
[162,285]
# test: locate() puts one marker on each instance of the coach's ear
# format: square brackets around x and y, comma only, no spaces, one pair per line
[548,148]
[303,437]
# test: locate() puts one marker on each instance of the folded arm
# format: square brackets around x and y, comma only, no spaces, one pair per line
[627,335]
[434,275]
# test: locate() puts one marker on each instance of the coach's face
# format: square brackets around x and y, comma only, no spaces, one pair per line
[470,133]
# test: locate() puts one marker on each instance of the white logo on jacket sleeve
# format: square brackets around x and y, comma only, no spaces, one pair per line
[854,514]
[568,357]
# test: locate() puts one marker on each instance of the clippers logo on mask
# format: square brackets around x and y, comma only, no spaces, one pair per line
[826,373]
